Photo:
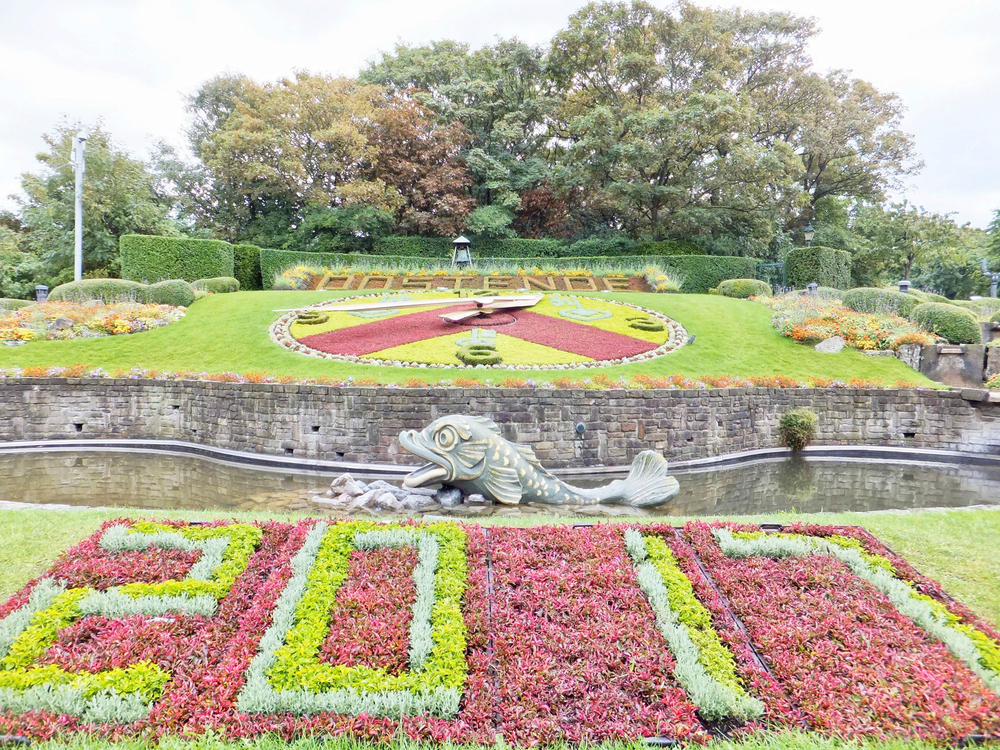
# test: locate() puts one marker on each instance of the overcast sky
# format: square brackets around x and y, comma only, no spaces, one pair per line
[133,62]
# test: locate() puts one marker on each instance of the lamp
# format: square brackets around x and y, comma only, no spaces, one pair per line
[460,255]
[808,233]
[41,293]
[904,285]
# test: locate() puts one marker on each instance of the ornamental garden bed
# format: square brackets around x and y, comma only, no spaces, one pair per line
[451,632]
[57,321]
[560,330]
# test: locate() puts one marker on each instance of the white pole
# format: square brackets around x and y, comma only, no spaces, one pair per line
[79,164]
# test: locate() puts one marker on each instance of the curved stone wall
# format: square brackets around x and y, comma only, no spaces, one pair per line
[362,424]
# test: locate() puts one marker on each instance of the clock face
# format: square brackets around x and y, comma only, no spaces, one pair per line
[560,330]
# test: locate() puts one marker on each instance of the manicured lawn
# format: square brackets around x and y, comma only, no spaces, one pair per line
[229,332]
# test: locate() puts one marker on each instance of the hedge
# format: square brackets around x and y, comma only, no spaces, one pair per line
[486,248]
[743,288]
[218,285]
[10,303]
[995,318]
[104,290]
[704,272]
[950,322]
[823,265]
[176,292]
[871,300]
[246,266]
[149,258]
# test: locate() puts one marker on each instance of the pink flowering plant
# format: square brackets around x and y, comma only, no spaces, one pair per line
[447,632]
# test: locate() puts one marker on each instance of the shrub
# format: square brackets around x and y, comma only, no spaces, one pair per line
[246,266]
[952,323]
[102,290]
[176,292]
[8,303]
[703,272]
[872,300]
[995,318]
[663,281]
[797,428]
[218,285]
[983,307]
[149,258]
[743,288]
[823,265]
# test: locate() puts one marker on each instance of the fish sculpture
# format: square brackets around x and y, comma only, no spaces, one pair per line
[471,454]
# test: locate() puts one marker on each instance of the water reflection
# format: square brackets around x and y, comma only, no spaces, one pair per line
[169,482]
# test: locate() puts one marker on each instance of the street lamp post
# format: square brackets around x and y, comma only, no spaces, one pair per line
[79,165]
[808,233]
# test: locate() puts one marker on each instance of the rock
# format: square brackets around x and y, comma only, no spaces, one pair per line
[347,484]
[418,502]
[831,345]
[449,497]
[387,501]
[429,491]
[382,486]
[476,499]
[61,324]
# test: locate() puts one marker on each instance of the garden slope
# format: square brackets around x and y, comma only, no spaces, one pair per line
[229,333]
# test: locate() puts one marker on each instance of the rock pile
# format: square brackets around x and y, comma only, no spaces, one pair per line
[349,494]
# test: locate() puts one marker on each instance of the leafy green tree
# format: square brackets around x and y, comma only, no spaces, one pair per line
[118,198]
[993,230]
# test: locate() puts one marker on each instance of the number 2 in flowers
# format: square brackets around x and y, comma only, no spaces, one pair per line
[121,694]
[287,674]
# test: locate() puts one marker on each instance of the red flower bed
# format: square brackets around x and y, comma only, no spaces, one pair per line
[369,624]
[578,654]
[843,652]
[562,644]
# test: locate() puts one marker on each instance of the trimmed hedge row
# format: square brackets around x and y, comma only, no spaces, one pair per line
[10,303]
[950,322]
[823,265]
[873,300]
[218,285]
[488,248]
[149,258]
[246,266]
[704,272]
[743,288]
[176,292]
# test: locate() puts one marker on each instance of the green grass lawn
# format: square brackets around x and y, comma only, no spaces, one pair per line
[957,547]
[229,332]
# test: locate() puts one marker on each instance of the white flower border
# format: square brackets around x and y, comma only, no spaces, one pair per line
[715,700]
[280,332]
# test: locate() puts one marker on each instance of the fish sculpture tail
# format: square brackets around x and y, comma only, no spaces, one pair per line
[647,483]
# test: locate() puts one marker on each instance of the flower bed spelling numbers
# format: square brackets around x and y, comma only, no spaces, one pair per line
[537,635]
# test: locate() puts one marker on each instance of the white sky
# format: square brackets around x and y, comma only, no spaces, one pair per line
[132,63]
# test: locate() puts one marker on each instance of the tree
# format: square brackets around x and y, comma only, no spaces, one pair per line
[993,230]
[418,157]
[658,125]
[118,198]
[849,138]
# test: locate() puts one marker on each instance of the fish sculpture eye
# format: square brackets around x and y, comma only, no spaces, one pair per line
[446,437]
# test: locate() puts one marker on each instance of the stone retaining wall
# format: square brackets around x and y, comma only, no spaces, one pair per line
[362,424]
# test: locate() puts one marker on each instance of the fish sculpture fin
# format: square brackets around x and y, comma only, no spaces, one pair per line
[503,484]
[471,452]
[527,454]
[647,483]
[486,422]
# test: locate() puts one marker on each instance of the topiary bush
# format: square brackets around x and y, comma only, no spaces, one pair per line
[824,265]
[871,300]
[9,303]
[218,285]
[704,272]
[246,266]
[102,290]
[743,288]
[995,318]
[797,428]
[176,292]
[149,258]
[952,323]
